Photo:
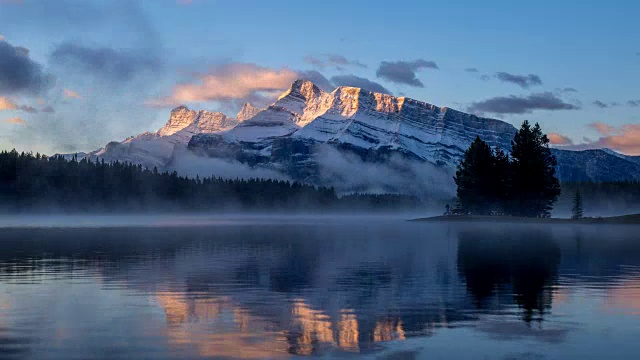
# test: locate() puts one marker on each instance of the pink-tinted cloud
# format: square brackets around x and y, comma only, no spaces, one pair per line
[625,138]
[558,139]
[70,94]
[229,82]
[7,104]
[16,121]
[602,128]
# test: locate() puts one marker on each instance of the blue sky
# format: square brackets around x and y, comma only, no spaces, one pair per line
[572,66]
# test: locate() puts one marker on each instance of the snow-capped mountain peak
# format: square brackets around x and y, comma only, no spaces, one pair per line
[201,121]
[247,112]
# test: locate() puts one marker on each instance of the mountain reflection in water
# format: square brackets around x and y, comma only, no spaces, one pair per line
[252,290]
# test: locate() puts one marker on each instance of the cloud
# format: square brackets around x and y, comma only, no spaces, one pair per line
[20,74]
[108,63]
[471,70]
[558,139]
[317,78]
[633,103]
[16,121]
[568,89]
[233,81]
[404,72]
[332,60]
[600,104]
[2,37]
[625,138]
[355,81]
[602,128]
[70,94]
[524,81]
[47,109]
[521,105]
[29,109]
[7,104]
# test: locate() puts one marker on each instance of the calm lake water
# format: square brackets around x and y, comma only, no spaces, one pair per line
[342,288]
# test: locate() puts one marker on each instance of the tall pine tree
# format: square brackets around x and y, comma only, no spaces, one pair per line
[475,179]
[534,185]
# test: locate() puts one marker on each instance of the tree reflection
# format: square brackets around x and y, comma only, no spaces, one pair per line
[521,263]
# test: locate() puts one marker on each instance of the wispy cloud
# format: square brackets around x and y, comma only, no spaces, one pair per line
[558,139]
[70,94]
[332,60]
[16,121]
[356,81]
[109,63]
[633,103]
[521,104]
[600,104]
[625,138]
[404,72]
[524,81]
[232,81]
[471,70]
[7,104]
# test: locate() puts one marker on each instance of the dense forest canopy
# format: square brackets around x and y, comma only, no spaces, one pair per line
[33,182]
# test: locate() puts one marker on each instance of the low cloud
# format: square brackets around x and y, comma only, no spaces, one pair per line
[108,63]
[355,81]
[70,94]
[524,81]
[333,60]
[234,81]
[558,139]
[521,104]
[404,72]
[347,173]
[16,121]
[20,74]
[624,138]
[600,104]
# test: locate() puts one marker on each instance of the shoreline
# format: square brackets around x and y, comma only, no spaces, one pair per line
[632,219]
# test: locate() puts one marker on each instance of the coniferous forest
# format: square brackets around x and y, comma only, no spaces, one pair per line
[523,184]
[38,183]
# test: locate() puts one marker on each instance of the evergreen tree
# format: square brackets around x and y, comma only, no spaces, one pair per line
[475,177]
[577,206]
[501,182]
[534,185]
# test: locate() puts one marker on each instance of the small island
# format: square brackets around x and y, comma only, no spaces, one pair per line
[520,187]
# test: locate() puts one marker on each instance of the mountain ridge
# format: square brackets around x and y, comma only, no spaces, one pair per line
[351,138]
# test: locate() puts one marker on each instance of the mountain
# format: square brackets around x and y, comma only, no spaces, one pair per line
[352,139]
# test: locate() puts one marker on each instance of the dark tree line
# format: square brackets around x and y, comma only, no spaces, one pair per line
[523,184]
[33,182]
[613,197]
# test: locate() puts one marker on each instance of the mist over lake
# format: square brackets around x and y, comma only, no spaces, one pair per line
[376,287]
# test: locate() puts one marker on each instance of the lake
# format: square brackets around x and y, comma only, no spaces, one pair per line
[339,287]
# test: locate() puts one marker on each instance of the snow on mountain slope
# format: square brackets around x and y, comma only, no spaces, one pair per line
[156,149]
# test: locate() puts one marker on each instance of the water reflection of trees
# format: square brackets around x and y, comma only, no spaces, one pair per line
[521,264]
